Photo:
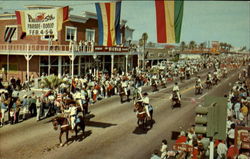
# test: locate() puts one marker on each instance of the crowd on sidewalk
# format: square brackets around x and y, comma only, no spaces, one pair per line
[238,105]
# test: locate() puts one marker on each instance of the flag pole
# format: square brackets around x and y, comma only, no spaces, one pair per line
[8,60]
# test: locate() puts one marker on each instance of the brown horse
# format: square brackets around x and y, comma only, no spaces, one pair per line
[65,126]
[122,94]
[141,114]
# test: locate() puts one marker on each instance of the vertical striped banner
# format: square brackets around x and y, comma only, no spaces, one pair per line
[108,15]
[169,15]
[9,32]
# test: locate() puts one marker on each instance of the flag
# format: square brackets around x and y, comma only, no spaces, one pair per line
[108,15]
[169,16]
[62,16]
[9,32]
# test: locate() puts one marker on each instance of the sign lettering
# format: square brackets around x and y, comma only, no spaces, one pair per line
[110,49]
[41,22]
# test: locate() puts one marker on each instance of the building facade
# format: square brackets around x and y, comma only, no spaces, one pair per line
[74,50]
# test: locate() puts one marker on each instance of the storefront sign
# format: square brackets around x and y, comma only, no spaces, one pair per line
[245,136]
[110,49]
[242,137]
[41,22]
[183,147]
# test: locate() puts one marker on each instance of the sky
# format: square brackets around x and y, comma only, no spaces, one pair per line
[224,21]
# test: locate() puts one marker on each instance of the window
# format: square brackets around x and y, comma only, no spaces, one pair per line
[14,37]
[90,35]
[71,33]
[47,37]
[151,54]
[160,55]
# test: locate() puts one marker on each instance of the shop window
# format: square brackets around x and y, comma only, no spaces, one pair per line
[90,35]
[71,33]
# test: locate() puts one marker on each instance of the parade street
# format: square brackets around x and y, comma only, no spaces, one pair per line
[111,128]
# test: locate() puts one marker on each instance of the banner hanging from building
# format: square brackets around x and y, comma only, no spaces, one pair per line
[9,32]
[169,16]
[42,21]
[108,15]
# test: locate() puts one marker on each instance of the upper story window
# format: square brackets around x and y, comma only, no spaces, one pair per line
[47,37]
[90,35]
[71,33]
[14,37]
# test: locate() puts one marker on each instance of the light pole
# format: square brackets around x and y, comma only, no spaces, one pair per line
[49,46]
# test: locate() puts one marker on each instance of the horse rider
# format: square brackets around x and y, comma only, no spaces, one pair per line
[124,85]
[85,99]
[198,82]
[72,115]
[147,106]
[209,77]
[77,97]
[176,91]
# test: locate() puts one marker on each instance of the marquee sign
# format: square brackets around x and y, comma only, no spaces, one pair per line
[110,49]
[183,147]
[41,22]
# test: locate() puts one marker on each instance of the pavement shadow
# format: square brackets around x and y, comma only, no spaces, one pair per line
[88,117]
[80,137]
[140,130]
[99,124]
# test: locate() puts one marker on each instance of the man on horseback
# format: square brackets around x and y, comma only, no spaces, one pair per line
[72,115]
[148,107]
[124,85]
[176,98]
[198,85]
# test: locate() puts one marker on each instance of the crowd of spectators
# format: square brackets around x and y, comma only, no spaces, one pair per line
[238,105]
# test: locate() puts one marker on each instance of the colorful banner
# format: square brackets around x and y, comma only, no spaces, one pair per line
[108,15]
[9,32]
[169,16]
[43,21]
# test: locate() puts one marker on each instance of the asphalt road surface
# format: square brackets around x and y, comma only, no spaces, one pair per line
[112,131]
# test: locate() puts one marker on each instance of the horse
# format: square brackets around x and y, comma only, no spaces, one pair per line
[198,89]
[175,100]
[187,75]
[215,80]
[182,77]
[208,84]
[65,126]
[154,86]
[142,115]
[122,94]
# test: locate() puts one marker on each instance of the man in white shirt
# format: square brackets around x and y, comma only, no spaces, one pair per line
[176,90]
[73,114]
[125,86]
[145,101]
[221,150]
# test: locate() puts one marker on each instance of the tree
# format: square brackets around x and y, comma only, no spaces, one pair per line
[144,38]
[229,46]
[51,82]
[183,45]
[202,45]
[192,45]
[243,48]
